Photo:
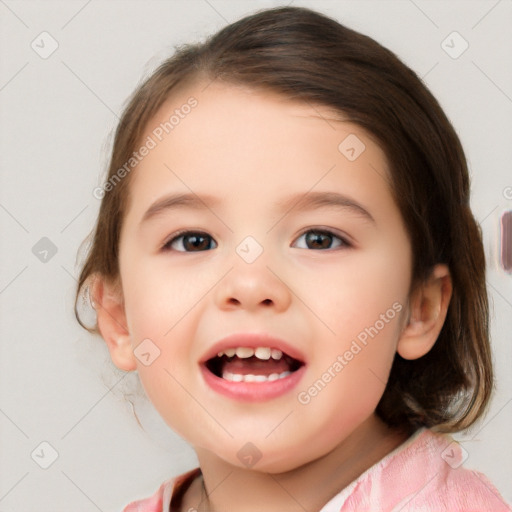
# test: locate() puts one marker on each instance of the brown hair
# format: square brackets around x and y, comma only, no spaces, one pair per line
[307,56]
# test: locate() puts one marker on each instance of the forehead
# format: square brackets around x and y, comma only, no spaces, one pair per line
[230,140]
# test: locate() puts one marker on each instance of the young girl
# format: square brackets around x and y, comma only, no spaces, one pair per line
[286,254]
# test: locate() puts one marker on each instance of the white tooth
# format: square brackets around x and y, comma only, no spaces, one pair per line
[262,353]
[230,352]
[237,377]
[220,354]
[244,352]
[276,354]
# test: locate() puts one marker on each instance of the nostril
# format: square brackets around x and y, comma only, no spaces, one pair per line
[236,302]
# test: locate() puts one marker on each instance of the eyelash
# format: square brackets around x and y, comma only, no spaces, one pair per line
[345,244]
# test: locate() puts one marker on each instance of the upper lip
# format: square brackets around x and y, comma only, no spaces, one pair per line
[252,340]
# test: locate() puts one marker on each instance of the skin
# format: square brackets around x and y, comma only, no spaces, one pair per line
[253,149]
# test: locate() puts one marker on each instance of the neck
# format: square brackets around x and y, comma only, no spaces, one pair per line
[307,487]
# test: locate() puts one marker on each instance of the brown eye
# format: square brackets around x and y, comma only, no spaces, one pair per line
[321,239]
[190,241]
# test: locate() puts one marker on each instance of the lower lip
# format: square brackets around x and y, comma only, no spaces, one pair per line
[252,391]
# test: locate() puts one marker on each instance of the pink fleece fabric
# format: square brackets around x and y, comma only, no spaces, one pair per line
[423,474]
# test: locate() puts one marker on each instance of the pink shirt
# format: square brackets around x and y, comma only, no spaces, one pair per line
[423,474]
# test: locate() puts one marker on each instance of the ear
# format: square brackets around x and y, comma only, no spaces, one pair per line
[428,306]
[108,302]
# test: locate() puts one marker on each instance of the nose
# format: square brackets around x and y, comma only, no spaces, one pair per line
[252,287]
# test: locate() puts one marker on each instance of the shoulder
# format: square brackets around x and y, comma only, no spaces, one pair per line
[153,503]
[446,482]
[160,501]
[424,473]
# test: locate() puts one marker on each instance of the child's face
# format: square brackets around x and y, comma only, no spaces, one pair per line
[251,153]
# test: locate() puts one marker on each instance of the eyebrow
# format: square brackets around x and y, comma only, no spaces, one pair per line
[180,201]
[313,200]
[304,201]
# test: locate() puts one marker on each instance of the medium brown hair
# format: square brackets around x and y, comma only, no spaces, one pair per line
[306,56]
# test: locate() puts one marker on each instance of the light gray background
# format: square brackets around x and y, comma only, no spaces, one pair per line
[56,382]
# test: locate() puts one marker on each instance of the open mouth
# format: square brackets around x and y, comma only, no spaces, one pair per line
[245,364]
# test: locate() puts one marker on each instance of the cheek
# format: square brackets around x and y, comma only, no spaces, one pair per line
[161,305]
[348,385]
[164,367]
[158,294]
[357,292]
[363,303]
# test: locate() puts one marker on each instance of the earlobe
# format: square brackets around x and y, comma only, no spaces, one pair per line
[109,305]
[428,306]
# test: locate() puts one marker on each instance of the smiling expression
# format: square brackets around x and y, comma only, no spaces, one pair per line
[248,220]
